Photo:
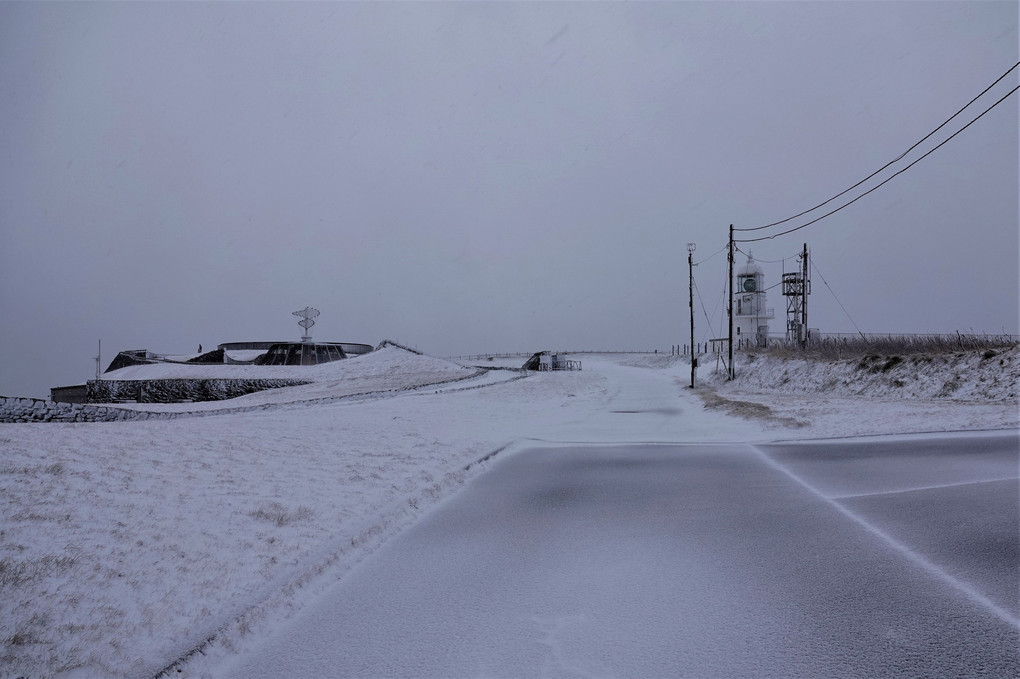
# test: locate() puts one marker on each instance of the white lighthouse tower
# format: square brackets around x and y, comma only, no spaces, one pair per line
[751,316]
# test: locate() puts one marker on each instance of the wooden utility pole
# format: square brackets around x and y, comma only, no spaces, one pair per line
[803,303]
[690,266]
[729,368]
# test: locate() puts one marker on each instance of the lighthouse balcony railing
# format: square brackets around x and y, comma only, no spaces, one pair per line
[770,312]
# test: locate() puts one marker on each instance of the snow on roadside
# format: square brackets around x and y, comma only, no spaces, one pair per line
[125,545]
[986,375]
[873,395]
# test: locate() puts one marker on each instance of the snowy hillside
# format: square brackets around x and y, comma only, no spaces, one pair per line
[983,375]
[386,369]
[977,389]
[386,360]
[126,547]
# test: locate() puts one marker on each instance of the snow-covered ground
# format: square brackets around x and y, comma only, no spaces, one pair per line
[874,395]
[366,367]
[389,369]
[127,546]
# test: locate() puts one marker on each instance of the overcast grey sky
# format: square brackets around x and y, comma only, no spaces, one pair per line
[473,177]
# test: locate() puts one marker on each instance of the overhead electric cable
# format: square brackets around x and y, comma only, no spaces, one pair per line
[833,293]
[722,249]
[722,296]
[896,174]
[704,311]
[900,157]
[767,261]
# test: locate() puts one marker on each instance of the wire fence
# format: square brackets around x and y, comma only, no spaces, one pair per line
[529,354]
[820,345]
[831,345]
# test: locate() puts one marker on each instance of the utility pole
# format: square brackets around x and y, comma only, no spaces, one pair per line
[99,358]
[690,266]
[803,304]
[729,368]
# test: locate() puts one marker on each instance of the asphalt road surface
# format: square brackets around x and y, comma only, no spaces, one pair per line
[869,558]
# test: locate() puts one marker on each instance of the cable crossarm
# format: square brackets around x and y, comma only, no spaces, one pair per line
[882,183]
[895,160]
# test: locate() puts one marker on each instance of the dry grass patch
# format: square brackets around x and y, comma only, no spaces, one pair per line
[837,348]
[749,410]
[277,514]
[14,572]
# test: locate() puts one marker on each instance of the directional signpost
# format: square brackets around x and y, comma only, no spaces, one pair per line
[306,322]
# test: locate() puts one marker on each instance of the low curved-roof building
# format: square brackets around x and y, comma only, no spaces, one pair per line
[290,353]
[251,353]
[301,353]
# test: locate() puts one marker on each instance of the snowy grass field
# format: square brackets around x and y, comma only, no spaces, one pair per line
[127,548]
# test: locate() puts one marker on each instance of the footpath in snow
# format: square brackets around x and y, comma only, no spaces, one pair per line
[127,548]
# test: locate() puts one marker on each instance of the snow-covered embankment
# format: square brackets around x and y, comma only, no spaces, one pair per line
[951,391]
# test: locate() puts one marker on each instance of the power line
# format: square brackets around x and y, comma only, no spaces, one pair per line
[897,159]
[703,310]
[832,292]
[766,261]
[722,249]
[896,174]
[718,302]
[769,261]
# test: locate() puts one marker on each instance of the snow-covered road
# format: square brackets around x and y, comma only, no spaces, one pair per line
[697,560]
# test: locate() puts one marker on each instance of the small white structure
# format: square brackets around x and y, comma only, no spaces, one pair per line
[751,315]
[548,361]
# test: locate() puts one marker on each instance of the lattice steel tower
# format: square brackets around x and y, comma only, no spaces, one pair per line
[796,288]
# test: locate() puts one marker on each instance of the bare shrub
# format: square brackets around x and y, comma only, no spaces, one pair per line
[22,637]
[875,364]
[276,513]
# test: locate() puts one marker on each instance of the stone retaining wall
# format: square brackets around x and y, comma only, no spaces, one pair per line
[178,390]
[20,409]
[14,409]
